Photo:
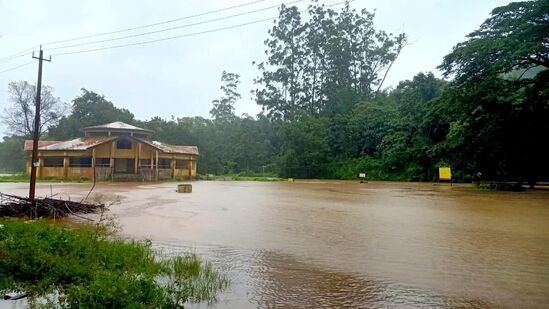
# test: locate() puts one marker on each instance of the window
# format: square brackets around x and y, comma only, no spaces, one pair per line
[80,161]
[103,162]
[120,134]
[181,164]
[145,162]
[53,161]
[123,143]
[164,163]
[96,133]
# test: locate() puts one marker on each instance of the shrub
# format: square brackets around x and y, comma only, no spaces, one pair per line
[89,269]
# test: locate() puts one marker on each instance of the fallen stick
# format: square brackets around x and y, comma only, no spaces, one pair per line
[17,206]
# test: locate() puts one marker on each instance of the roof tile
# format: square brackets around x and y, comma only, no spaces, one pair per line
[117,125]
[82,143]
[167,148]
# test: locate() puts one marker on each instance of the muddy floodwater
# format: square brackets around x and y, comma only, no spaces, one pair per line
[331,244]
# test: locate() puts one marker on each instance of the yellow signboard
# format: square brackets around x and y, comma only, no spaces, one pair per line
[444,173]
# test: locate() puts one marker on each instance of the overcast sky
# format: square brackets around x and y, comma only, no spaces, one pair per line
[181,77]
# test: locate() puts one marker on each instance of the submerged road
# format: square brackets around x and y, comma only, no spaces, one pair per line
[344,244]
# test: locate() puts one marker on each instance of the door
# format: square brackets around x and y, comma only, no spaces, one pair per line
[124,166]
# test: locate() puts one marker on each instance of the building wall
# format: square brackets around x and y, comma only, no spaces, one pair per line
[51,172]
[182,173]
[108,150]
[103,150]
[80,172]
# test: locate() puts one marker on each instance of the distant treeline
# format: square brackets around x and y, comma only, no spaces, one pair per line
[326,114]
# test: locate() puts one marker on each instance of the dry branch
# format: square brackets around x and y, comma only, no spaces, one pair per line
[17,206]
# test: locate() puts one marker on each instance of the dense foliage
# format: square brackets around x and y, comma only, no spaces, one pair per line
[104,271]
[12,158]
[325,114]
[325,65]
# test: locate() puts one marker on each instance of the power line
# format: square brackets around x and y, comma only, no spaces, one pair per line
[17,67]
[172,28]
[154,24]
[8,59]
[17,54]
[179,36]
[23,52]
[164,39]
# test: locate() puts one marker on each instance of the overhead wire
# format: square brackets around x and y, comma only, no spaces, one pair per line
[172,28]
[17,67]
[164,39]
[23,52]
[178,36]
[17,54]
[154,24]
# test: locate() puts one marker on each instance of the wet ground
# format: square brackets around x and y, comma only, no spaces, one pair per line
[330,244]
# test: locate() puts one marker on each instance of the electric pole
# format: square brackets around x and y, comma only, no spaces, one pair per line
[36,133]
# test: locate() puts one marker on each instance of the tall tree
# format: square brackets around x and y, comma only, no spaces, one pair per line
[499,116]
[281,80]
[514,37]
[325,65]
[413,130]
[20,115]
[223,108]
[89,109]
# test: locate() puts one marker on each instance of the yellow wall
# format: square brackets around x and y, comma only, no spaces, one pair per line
[184,172]
[28,165]
[51,171]
[181,173]
[147,152]
[85,153]
[80,172]
[104,151]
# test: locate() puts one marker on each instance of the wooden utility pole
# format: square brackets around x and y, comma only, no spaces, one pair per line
[36,133]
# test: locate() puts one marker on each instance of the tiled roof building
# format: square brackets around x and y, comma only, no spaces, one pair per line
[115,150]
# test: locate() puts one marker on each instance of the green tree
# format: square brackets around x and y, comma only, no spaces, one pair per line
[514,37]
[498,117]
[369,123]
[19,117]
[305,147]
[12,158]
[415,128]
[89,109]
[323,66]
[281,91]
[223,108]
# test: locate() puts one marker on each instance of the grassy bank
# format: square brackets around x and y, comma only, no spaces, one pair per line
[85,266]
[25,178]
[236,177]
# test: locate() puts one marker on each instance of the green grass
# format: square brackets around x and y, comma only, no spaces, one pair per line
[235,177]
[500,186]
[92,269]
[25,178]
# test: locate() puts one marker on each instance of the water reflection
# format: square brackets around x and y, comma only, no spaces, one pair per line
[273,280]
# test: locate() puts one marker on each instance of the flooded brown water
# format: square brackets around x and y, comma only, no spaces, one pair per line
[332,244]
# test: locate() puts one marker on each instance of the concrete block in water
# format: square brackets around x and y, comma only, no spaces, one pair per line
[185,188]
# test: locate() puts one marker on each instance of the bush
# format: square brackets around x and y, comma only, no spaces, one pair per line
[89,269]
[350,168]
[26,178]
